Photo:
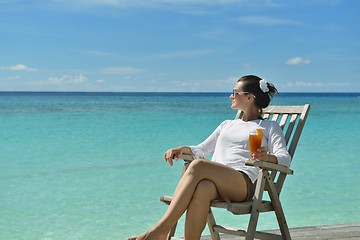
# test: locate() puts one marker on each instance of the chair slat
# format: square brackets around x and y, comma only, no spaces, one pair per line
[284,109]
[298,130]
[275,117]
[283,120]
[290,127]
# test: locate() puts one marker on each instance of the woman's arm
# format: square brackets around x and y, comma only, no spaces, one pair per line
[263,155]
[175,153]
[201,150]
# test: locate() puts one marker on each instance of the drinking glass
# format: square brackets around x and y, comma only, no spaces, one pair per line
[255,137]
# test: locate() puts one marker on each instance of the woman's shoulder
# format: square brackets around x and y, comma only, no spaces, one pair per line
[226,122]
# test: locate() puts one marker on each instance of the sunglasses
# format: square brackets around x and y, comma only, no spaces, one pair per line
[239,93]
[234,92]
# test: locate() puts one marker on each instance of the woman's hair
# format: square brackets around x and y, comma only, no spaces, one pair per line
[251,84]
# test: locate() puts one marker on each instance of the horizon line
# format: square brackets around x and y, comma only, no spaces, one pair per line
[21,91]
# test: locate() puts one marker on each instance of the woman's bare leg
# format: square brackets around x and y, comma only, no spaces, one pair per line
[198,209]
[229,183]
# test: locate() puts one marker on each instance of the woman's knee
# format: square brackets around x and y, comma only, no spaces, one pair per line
[196,165]
[205,191]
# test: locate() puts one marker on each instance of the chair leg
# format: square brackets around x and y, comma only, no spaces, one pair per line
[283,224]
[254,217]
[172,232]
[285,233]
[211,223]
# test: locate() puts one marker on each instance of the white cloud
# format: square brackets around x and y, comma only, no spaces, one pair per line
[122,70]
[183,83]
[304,84]
[66,79]
[18,67]
[297,61]
[268,21]
[318,84]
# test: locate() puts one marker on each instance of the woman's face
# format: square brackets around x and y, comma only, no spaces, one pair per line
[239,98]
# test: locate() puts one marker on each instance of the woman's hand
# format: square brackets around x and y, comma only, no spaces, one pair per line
[262,155]
[175,153]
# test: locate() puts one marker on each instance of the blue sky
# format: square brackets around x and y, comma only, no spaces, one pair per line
[178,45]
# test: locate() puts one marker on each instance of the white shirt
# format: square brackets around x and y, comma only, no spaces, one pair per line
[229,144]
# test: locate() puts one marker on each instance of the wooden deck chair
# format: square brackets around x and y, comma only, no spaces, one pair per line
[271,180]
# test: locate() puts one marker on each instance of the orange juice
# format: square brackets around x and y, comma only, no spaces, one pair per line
[255,138]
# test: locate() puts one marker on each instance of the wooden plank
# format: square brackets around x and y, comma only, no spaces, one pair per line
[338,232]
[211,224]
[289,129]
[283,120]
[277,207]
[269,166]
[324,232]
[284,109]
[259,190]
[299,129]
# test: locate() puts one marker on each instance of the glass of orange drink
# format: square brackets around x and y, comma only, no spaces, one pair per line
[255,137]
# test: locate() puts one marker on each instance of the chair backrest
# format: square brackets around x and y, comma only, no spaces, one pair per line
[291,120]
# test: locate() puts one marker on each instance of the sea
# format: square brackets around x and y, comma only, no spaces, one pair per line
[86,166]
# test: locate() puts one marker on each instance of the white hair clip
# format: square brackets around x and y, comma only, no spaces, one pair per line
[263,85]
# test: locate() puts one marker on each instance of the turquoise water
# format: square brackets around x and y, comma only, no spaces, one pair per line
[90,165]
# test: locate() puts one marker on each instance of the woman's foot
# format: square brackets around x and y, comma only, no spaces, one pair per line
[149,236]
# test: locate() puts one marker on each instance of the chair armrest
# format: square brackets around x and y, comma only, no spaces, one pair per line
[250,162]
[269,166]
[187,157]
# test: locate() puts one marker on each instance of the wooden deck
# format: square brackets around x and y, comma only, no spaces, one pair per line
[328,232]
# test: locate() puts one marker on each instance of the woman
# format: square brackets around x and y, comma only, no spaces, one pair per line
[226,176]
